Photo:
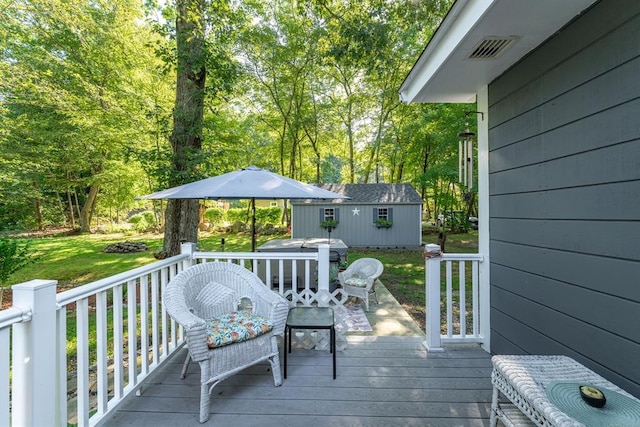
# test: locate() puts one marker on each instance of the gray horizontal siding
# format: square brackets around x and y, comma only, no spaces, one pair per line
[360,230]
[564,200]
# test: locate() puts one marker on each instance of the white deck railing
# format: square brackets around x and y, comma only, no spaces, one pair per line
[122,334]
[453,297]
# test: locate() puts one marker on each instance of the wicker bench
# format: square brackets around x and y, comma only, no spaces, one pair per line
[523,381]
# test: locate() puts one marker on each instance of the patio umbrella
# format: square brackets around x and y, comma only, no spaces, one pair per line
[246,183]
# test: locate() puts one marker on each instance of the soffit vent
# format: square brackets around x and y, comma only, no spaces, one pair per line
[491,47]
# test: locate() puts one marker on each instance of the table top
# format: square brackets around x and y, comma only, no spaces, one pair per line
[310,317]
[530,376]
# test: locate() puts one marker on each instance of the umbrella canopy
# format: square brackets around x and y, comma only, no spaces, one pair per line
[246,183]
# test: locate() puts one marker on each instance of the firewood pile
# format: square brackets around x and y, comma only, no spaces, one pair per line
[126,247]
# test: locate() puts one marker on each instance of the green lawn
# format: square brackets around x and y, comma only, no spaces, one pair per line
[77,260]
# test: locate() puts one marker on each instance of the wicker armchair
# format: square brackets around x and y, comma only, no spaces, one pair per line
[359,279]
[207,290]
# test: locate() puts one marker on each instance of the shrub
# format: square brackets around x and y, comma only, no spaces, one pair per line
[13,256]
[214,215]
[268,215]
[143,221]
[235,215]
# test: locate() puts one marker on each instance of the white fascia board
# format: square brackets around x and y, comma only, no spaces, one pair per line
[464,15]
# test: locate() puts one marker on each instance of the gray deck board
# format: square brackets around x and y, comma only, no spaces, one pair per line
[382,380]
[376,386]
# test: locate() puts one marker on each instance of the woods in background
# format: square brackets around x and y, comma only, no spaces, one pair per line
[104,101]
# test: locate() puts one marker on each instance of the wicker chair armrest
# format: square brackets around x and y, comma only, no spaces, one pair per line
[370,281]
[197,342]
[274,307]
[279,310]
[193,325]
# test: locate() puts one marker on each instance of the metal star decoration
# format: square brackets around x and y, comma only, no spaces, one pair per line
[356,211]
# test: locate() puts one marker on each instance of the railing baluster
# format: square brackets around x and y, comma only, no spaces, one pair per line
[101,353]
[307,274]
[118,342]
[5,374]
[132,331]
[61,398]
[163,314]
[144,324]
[462,289]
[449,298]
[475,297]
[82,361]
[155,326]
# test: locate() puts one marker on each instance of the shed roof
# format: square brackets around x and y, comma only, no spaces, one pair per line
[402,193]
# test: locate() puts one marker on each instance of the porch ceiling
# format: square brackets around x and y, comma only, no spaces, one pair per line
[444,72]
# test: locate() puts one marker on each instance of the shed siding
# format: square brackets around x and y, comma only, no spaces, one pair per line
[359,230]
[564,134]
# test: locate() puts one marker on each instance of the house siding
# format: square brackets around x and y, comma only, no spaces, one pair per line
[564,174]
[359,230]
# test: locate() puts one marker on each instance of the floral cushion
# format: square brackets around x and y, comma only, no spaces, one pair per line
[234,327]
[356,281]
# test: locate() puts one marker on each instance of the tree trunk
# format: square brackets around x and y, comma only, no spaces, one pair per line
[181,221]
[38,207]
[87,210]
[72,216]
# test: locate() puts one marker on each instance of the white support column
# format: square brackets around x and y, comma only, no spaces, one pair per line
[483,220]
[323,275]
[188,248]
[34,355]
[433,256]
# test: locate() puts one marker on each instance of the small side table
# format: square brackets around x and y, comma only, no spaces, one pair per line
[310,318]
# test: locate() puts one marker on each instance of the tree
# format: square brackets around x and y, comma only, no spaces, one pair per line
[181,218]
[203,33]
[73,92]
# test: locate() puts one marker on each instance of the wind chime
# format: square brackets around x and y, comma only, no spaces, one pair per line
[465,154]
[465,158]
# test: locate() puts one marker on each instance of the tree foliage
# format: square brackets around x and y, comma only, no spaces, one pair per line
[102,101]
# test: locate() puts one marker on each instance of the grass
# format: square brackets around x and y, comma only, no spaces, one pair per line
[77,260]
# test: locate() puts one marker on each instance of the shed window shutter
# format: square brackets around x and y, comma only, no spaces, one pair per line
[336,214]
[390,214]
[375,214]
[321,214]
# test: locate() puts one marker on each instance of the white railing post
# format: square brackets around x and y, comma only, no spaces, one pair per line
[188,249]
[323,275]
[34,355]
[433,256]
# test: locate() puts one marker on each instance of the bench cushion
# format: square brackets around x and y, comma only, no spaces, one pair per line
[234,327]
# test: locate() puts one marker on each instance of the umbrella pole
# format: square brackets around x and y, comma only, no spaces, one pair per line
[253,224]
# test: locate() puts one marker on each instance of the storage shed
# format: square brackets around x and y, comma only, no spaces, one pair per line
[376,216]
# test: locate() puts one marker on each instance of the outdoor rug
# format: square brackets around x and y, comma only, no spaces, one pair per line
[353,318]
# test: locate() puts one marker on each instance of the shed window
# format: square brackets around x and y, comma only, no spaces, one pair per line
[385,214]
[329,214]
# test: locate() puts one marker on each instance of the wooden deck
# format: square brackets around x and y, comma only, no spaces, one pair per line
[385,380]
